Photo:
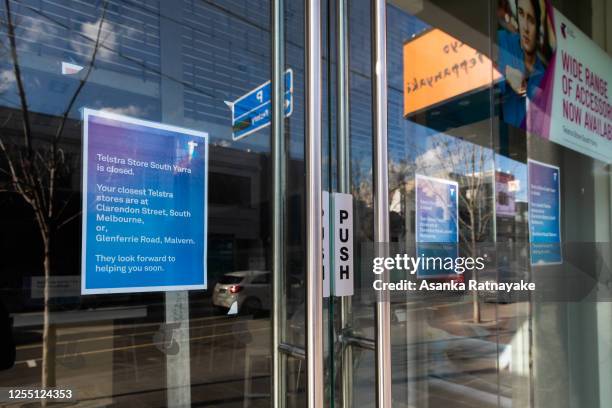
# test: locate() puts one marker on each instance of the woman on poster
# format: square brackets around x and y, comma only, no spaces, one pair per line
[520,61]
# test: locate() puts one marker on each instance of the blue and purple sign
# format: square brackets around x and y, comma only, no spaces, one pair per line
[544,213]
[144,205]
[437,218]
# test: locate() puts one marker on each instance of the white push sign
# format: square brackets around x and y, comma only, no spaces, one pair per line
[343,244]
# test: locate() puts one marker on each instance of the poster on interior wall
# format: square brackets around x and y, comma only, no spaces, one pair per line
[436,223]
[555,78]
[544,192]
[144,206]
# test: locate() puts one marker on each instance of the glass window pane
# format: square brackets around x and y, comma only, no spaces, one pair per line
[185,64]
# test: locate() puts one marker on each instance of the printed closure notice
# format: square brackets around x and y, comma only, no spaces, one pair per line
[144,206]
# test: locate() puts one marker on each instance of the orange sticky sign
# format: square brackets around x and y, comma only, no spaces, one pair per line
[438,67]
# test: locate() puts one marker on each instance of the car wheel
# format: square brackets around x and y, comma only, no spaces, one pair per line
[250,306]
[218,310]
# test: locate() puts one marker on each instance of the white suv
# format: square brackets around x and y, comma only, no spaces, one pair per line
[250,290]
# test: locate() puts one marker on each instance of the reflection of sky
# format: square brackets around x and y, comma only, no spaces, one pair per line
[433,153]
[121,77]
[130,69]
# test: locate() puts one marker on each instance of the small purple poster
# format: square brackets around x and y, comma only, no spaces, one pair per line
[544,213]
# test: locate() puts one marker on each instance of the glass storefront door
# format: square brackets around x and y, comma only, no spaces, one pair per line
[467,138]
[448,343]
[534,207]
[195,196]
[147,71]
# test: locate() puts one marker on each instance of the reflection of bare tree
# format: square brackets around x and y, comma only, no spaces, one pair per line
[399,174]
[361,188]
[361,179]
[470,162]
[35,169]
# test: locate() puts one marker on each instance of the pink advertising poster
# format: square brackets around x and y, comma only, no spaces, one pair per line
[555,78]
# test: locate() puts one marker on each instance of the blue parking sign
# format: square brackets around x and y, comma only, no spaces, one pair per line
[253,111]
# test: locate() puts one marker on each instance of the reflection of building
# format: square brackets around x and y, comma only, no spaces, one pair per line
[238,213]
[155,62]
[505,194]
[511,214]
[237,216]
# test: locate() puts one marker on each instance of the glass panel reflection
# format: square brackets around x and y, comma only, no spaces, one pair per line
[172,63]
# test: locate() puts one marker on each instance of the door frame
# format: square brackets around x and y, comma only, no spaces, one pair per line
[314,353]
